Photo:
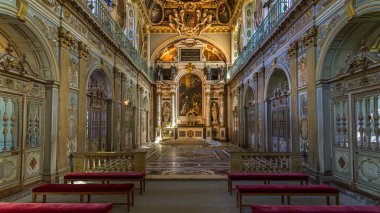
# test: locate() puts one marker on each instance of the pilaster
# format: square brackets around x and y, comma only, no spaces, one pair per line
[82,109]
[293,55]
[116,142]
[309,41]
[66,39]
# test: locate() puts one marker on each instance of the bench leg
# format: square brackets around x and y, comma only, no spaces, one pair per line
[301,182]
[282,199]
[81,198]
[72,182]
[288,199]
[44,198]
[337,199]
[89,198]
[328,200]
[34,198]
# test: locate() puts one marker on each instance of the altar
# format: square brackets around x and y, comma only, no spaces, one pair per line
[190,132]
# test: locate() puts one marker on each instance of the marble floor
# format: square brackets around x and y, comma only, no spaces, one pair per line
[186,158]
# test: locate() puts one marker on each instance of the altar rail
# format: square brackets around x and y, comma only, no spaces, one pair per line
[109,162]
[265,162]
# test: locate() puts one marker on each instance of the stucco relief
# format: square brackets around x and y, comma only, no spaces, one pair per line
[302,71]
[8,169]
[50,31]
[74,73]
[72,131]
[369,169]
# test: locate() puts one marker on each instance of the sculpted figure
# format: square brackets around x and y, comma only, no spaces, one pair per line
[214,113]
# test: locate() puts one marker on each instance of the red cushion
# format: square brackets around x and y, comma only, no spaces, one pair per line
[314,209]
[267,176]
[286,189]
[83,187]
[105,175]
[54,207]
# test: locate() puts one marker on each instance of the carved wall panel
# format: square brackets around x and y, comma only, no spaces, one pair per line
[303,122]
[342,159]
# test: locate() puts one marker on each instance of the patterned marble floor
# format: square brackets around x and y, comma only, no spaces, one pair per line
[189,157]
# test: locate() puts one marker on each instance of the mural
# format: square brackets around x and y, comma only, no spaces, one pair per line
[156,14]
[223,14]
[190,95]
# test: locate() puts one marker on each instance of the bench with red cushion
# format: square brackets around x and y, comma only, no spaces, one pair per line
[286,190]
[84,189]
[266,177]
[107,177]
[313,209]
[55,207]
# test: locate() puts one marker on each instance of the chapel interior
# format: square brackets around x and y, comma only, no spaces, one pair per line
[174,100]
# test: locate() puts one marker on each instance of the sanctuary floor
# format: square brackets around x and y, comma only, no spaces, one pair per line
[182,159]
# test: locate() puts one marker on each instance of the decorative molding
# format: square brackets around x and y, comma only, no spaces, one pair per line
[66,39]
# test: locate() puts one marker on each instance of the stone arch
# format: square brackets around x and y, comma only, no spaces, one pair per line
[340,35]
[41,62]
[175,39]
[278,69]
[99,119]
[278,111]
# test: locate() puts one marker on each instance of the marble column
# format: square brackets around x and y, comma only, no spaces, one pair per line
[140,111]
[207,113]
[82,109]
[221,109]
[172,98]
[294,120]
[310,42]
[66,40]
[158,132]
[138,116]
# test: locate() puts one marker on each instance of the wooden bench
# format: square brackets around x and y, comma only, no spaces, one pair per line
[285,190]
[84,189]
[106,177]
[313,209]
[266,177]
[55,207]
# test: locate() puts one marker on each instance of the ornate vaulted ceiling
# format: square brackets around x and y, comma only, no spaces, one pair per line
[192,17]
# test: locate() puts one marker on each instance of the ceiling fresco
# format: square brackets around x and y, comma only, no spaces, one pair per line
[190,17]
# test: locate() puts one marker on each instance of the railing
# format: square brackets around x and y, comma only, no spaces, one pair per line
[108,162]
[265,162]
[104,18]
[277,11]
[359,2]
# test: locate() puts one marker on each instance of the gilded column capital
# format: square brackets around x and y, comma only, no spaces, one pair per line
[310,37]
[66,39]
[83,50]
[293,48]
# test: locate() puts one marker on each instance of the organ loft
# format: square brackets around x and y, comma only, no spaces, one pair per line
[189,106]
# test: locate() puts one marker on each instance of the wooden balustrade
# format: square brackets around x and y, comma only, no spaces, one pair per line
[265,162]
[109,162]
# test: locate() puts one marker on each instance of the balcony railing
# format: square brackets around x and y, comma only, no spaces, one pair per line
[265,162]
[104,18]
[277,11]
[108,162]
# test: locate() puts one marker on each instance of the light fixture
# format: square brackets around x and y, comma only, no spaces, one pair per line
[126,102]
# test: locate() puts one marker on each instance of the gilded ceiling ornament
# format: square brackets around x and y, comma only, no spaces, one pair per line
[350,9]
[22,9]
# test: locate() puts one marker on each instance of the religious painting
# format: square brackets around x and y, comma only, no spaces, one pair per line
[223,14]
[156,14]
[258,15]
[121,13]
[190,95]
